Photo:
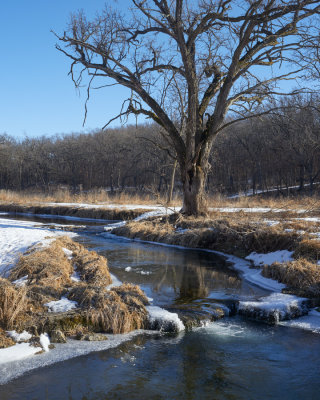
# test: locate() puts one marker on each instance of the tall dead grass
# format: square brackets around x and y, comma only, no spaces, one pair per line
[119,310]
[48,267]
[228,235]
[300,275]
[309,249]
[13,305]
[98,196]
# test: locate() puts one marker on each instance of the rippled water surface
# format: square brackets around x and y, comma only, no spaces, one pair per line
[228,359]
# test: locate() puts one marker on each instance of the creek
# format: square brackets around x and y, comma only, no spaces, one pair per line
[231,358]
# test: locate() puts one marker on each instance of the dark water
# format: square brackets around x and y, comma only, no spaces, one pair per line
[229,359]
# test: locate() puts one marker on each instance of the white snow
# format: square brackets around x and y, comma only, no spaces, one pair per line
[45,341]
[279,302]
[61,305]
[155,213]
[309,219]
[75,277]
[164,320]
[128,269]
[245,209]
[67,252]
[260,259]
[115,282]
[17,236]
[17,353]
[114,206]
[310,322]
[21,281]
[19,337]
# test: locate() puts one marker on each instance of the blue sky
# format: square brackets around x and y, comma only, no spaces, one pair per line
[37,96]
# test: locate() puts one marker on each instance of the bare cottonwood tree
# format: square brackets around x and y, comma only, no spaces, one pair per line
[193,67]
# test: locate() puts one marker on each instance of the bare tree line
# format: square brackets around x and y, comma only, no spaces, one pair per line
[191,65]
[277,151]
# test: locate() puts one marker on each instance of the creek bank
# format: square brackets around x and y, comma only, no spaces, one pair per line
[299,275]
[79,211]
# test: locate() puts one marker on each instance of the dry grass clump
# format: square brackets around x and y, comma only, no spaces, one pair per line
[13,305]
[46,267]
[92,268]
[118,310]
[309,249]
[131,294]
[5,340]
[300,275]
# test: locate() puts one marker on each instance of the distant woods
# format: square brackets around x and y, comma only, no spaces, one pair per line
[274,152]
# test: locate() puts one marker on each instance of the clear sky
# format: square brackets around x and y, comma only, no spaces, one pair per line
[37,97]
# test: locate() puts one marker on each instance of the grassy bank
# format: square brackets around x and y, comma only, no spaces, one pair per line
[113,214]
[65,270]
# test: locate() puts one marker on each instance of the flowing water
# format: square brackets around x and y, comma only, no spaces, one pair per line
[228,359]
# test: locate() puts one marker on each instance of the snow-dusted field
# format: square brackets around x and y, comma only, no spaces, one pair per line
[16,236]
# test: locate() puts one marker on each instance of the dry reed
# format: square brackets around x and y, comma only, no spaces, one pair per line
[300,275]
[13,305]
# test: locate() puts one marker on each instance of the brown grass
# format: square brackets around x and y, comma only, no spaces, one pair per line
[13,305]
[92,268]
[118,310]
[98,196]
[300,275]
[5,341]
[233,236]
[48,267]
[309,249]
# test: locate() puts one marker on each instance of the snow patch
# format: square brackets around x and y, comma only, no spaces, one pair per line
[67,252]
[75,277]
[115,282]
[61,305]
[274,308]
[17,236]
[310,322]
[163,320]
[16,353]
[21,281]
[19,337]
[45,341]
[280,256]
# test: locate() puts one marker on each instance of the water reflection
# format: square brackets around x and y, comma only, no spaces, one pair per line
[171,275]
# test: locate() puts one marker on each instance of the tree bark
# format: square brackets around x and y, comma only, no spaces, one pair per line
[194,199]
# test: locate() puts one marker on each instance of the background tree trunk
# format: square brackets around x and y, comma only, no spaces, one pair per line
[194,202]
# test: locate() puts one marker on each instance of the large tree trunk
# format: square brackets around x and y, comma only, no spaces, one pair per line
[194,198]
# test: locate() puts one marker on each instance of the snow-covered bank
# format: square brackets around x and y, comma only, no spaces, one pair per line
[280,256]
[160,211]
[163,320]
[17,236]
[310,322]
[274,308]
